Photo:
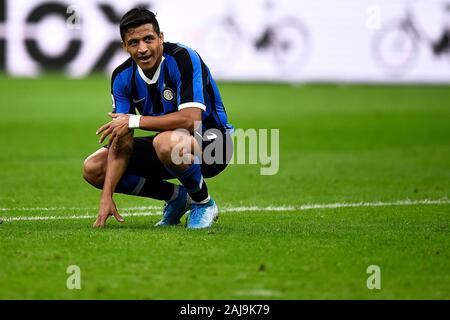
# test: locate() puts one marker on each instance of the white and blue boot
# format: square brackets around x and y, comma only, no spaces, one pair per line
[202,215]
[175,208]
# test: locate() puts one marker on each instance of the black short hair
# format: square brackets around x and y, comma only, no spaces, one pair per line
[135,18]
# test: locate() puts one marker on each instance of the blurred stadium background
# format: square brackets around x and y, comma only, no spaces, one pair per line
[359,90]
[350,41]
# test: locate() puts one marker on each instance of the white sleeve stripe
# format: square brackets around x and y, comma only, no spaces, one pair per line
[192,105]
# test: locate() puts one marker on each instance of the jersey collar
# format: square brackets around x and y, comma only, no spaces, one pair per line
[155,76]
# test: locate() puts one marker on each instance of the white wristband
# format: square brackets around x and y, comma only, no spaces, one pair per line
[133,121]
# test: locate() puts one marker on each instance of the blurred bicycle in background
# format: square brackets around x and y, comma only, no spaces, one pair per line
[286,39]
[396,45]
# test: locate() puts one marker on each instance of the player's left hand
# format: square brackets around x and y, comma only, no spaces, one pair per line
[115,129]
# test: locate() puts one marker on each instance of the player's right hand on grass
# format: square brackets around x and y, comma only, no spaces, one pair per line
[107,209]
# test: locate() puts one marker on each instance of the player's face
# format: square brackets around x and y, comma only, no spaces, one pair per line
[145,46]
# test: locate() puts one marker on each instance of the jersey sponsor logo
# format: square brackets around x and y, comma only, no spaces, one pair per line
[168,94]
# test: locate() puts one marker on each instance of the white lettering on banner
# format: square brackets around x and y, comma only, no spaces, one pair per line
[285,40]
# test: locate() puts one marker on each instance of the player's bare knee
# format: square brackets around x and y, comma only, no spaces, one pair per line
[90,174]
[163,145]
[172,146]
[93,171]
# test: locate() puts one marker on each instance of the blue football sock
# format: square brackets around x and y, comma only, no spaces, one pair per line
[139,186]
[192,180]
[130,184]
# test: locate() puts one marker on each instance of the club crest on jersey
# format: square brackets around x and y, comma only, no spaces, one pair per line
[168,94]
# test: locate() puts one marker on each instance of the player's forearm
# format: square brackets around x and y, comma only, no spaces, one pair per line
[116,165]
[115,169]
[183,119]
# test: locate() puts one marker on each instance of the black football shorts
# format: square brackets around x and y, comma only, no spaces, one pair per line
[144,161]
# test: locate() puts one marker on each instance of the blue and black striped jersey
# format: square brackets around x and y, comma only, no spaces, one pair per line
[181,80]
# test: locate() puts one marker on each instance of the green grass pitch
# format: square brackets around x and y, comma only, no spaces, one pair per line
[338,144]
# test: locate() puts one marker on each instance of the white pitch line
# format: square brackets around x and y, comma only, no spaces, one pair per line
[36,218]
[253,208]
[146,210]
[73,208]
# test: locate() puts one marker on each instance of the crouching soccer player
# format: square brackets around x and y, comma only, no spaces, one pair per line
[172,89]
